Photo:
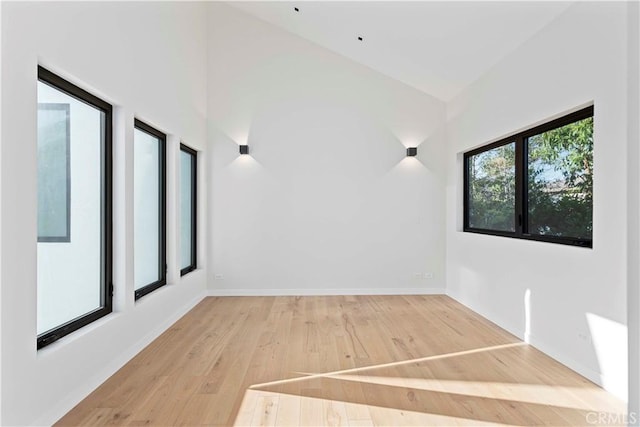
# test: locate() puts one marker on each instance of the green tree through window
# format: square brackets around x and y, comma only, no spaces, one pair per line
[493,188]
[560,181]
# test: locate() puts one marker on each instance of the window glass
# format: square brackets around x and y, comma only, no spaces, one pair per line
[54,183]
[560,181]
[149,209]
[492,188]
[536,185]
[73,261]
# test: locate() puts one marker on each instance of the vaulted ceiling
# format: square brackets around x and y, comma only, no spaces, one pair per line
[438,47]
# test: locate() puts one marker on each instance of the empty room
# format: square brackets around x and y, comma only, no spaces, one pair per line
[421,213]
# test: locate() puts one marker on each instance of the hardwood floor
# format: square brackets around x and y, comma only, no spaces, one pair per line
[341,360]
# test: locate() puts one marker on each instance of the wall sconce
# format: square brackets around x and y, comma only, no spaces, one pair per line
[244,149]
[412,151]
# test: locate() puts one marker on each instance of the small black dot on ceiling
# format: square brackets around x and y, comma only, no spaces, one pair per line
[360,38]
[296,9]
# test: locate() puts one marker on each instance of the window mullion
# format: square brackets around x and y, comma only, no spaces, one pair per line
[162,212]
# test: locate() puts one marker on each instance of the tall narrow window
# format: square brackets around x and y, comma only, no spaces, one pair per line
[535,185]
[150,250]
[74,208]
[188,204]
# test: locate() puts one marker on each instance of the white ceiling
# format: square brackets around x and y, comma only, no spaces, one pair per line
[437,47]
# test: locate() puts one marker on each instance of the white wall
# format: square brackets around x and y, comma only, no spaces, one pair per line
[633,160]
[1,257]
[326,202]
[574,292]
[149,61]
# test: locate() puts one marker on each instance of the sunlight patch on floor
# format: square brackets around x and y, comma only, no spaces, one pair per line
[307,376]
[285,402]
[591,399]
[261,408]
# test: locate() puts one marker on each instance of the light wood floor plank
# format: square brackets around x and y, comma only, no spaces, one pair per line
[340,360]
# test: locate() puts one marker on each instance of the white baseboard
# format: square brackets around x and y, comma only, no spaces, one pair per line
[590,374]
[320,292]
[76,396]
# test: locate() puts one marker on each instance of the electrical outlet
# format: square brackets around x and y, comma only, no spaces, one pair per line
[417,275]
[219,276]
[428,276]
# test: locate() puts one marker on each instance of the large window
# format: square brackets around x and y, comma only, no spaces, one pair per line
[74,208]
[150,250]
[535,185]
[188,204]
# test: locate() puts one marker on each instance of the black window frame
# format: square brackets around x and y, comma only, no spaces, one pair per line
[194,208]
[521,211]
[66,238]
[106,213]
[162,211]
